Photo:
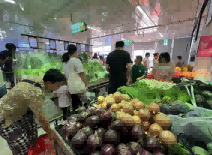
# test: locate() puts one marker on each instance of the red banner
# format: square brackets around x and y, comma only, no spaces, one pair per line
[205,47]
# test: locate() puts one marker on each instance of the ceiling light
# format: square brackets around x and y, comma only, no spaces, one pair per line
[22,8]
[10,1]
[160,34]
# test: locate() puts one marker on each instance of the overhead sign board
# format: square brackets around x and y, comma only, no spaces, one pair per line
[128,42]
[79,27]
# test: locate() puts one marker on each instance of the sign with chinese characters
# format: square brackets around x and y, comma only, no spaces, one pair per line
[78,27]
[205,47]
[128,42]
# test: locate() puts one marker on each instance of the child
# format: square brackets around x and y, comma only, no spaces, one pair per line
[63,99]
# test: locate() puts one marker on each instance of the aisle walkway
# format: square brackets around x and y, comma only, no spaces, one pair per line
[4,149]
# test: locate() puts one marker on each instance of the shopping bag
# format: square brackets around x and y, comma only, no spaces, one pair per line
[75,84]
[42,146]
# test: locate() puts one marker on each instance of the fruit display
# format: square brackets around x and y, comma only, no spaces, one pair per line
[187,68]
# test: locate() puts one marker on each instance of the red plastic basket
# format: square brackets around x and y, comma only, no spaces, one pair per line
[40,146]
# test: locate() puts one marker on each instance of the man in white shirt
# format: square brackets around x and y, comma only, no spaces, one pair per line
[146,61]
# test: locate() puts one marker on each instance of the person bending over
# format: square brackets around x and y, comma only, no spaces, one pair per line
[20,104]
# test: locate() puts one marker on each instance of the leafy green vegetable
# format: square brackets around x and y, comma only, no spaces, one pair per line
[179,149]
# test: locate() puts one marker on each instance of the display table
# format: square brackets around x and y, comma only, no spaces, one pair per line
[60,145]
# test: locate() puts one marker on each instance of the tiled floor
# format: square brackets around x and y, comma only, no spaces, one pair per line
[4,149]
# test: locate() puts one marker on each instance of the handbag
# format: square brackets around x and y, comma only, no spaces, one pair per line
[75,83]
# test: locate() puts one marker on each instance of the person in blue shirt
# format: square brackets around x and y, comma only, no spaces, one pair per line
[138,70]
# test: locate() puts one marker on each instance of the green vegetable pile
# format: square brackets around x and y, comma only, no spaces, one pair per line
[94,71]
[37,64]
[146,94]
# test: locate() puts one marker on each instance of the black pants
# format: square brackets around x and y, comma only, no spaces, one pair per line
[66,112]
[75,101]
[115,84]
[10,78]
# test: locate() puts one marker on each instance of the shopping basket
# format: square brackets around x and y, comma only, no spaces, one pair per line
[41,146]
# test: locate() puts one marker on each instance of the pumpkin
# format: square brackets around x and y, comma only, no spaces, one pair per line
[167,138]
[162,120]
[128,120]
[110,102]
[101,99]
[117,97]
[154,108]
[155,129]
[126,97]
[137,120]
[104,105]
[135,112]
[135,100]
[120,115]
[127,108]
[144,114]
[139,105]
[115,107]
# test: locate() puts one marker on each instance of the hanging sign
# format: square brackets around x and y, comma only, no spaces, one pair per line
[166,41]
[128,42]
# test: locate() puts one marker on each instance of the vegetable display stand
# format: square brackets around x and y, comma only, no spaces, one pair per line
[61,147]
[99,87]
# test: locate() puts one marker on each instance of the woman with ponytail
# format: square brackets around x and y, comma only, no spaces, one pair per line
[71,60]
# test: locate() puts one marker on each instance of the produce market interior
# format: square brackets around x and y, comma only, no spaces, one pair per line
[145,111]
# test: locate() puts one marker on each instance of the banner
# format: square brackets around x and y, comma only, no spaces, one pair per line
[205,47]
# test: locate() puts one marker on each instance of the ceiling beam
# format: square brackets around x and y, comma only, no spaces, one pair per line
[161,25]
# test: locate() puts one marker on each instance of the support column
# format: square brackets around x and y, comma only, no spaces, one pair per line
[172,47]
[189,56]
[156,47]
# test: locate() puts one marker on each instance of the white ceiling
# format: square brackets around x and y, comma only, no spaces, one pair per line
[107,16]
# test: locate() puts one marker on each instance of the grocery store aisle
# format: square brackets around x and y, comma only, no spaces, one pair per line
[4,149]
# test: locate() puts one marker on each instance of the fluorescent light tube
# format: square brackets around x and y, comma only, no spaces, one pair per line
[160,34]
[142,12]
[10,1]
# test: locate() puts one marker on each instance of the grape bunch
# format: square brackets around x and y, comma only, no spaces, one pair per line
[175,109]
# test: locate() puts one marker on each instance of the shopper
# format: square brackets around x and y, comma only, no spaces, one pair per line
[180,62]
[102,60]
[3,89]
[6,58]
[155,59]
[146,61]
[118,63]
[19,105]
[138,70]
[165,67]
[63,99]
[95,58]
[70,58]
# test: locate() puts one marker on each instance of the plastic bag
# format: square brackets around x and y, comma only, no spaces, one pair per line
[42,146]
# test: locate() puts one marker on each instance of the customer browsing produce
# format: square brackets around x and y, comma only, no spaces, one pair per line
[74,72]
[165,68]
[63,99]
[146,61]
[138,70]
[6,61]
[118,63]
[18,106]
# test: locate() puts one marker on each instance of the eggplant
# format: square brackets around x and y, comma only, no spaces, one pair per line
[79,140]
